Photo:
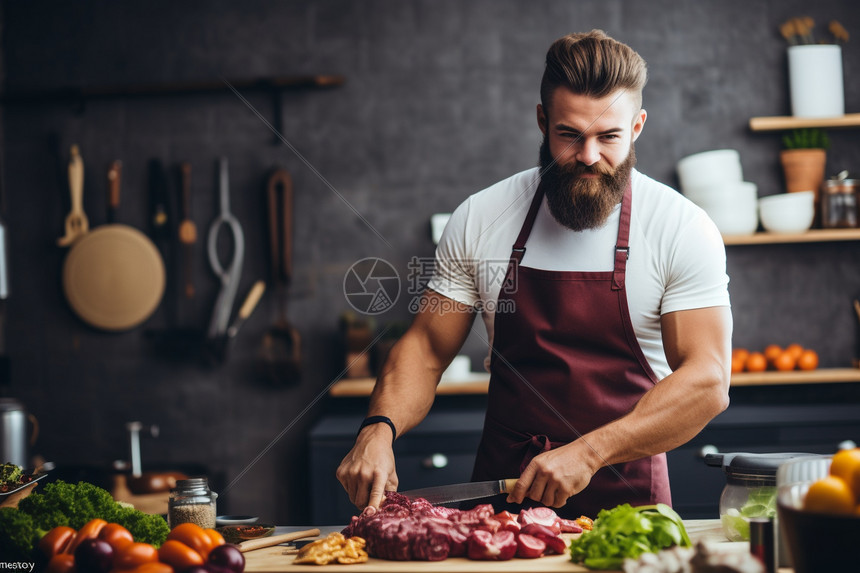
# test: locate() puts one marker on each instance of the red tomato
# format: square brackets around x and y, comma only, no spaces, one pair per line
[134,554]
[56,540]
[61,563]
[90,530]
[116,535]
[215,538]
[178,555]
[194,537]
[153,567]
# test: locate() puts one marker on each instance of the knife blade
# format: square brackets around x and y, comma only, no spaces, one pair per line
[462,491]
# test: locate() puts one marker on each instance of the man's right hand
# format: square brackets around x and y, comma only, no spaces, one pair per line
[368,471]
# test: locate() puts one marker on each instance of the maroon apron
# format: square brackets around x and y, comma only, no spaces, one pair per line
[565,362]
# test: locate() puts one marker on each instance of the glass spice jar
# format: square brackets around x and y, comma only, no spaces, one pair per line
[191,501]
[839,203]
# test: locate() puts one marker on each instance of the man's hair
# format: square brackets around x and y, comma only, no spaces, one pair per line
[592,64]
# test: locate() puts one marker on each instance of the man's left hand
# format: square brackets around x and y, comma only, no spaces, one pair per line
[553,477]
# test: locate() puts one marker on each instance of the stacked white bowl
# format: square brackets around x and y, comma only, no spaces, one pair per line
[714,181]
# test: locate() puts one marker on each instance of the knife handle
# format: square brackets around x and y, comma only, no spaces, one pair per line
[276,539]
[507,485]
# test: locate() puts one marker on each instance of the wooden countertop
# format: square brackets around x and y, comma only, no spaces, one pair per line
[274,559]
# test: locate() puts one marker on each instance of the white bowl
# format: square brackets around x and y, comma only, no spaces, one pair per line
[733,219]
[710,168]
[787,212]
[741,193]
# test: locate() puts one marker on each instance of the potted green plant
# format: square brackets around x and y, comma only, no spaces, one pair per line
[803,159]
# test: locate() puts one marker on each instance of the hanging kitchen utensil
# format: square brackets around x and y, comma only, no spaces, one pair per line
[281,345]
[163,232]
[187,231]
[77,223]
[230,276]
[114,276]
[218,348]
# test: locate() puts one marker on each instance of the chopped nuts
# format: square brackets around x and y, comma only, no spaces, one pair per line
[334,548]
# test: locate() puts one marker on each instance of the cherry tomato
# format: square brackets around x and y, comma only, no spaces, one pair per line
[116,535]
[194,537]
[215,538]
[152,567]
[178,555]
[56,540]
[61,563]
[134,554]
[90,530]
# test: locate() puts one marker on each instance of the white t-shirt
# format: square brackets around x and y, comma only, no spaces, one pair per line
[677,258]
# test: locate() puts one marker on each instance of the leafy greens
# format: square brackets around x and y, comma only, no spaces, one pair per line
[627,531]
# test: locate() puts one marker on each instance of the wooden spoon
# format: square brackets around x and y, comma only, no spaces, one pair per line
[187,230]
[77,223]
[252,544]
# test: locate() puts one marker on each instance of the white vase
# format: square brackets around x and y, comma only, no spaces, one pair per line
[815,78]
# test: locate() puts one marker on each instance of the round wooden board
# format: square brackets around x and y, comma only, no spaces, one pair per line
[114,277]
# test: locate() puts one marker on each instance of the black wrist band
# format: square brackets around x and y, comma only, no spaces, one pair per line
[379,420]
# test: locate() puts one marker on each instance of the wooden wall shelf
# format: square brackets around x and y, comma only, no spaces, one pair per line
[84,93]
[362,387]
[811,236]
[274,86]
[782,123]
[818,376]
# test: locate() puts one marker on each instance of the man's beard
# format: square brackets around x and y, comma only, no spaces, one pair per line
[579,203]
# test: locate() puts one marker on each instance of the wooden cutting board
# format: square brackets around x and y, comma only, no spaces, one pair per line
[274,559]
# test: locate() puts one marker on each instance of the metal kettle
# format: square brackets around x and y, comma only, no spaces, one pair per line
[14,438]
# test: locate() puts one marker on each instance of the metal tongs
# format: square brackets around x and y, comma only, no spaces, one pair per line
[232,274]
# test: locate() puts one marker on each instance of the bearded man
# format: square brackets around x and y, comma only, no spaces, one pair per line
[610,335]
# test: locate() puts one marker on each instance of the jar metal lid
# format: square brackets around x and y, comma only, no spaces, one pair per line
[192,483]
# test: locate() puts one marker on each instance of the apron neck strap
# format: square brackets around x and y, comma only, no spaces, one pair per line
[622,243]
[518,251]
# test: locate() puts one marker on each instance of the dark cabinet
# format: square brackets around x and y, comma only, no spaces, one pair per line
[441,450]
[818,428]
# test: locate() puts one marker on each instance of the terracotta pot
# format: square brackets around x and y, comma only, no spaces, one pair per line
[804,169]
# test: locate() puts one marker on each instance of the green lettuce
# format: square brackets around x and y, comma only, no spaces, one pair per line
[627,531]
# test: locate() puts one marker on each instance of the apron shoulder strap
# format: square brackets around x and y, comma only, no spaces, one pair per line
[518,251]
[622,243]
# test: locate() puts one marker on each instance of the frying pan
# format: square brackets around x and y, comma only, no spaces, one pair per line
[114,276]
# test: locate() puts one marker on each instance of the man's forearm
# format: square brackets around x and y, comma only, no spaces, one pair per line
[667,416]
[405,390]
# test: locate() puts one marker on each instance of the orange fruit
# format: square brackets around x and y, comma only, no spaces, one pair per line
[740,353]
[795,350]
[756,362]
[845,466]
[784,361]
[808,360]
[739,359]
[772,352]
[829,495]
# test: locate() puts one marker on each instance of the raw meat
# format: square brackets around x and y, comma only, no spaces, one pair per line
[487,546]
[404,529]
[529,546]
[543,516]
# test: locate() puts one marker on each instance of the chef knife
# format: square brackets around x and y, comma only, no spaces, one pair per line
[462,491]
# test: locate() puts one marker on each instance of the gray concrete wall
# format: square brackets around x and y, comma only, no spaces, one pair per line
[439,102]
